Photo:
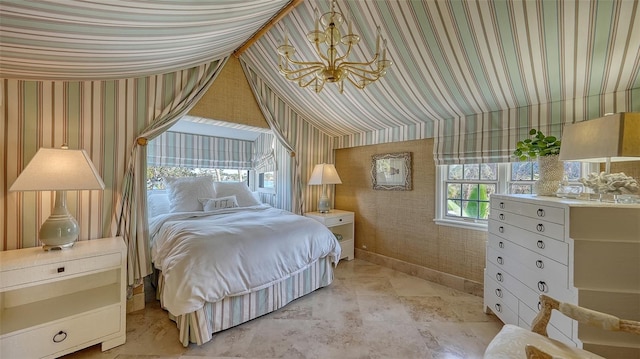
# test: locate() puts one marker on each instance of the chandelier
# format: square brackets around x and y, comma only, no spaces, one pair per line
[333,51]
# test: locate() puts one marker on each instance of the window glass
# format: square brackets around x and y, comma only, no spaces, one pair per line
[267,180]
[157,173]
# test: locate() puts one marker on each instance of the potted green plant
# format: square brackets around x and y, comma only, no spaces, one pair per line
[538,145]
[546,150]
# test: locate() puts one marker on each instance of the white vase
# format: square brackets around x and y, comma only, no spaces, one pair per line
[551,171]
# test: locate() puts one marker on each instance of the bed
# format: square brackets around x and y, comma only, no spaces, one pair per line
[227,258]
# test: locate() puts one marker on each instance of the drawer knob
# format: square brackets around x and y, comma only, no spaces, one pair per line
[500,260]
[501,244]
[60,337]
[540,227]
[540,244]
[501,216]
[499,277]
[60,269]
[539,264]
[542,286]
[499,292]
[540,212]
[501,229]
[498,307]
[340,220]
[502,205]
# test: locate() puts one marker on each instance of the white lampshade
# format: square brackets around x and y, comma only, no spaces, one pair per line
[324,174]
[59,170]
[611,138]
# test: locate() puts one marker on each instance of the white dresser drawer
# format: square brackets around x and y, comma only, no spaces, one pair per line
[496,293]
[534,225]
[528,265]
[542,212]
[28,275]
[548,247]
[62,335]
[338,220]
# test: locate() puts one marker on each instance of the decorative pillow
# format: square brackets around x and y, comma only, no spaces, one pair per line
[212,204]
[157,204]
[256,195]
[184,192]
[239,189]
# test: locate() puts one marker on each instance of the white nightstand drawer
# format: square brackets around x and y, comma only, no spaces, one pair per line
[25,276]
[62,335]
[338,220]
[347,248]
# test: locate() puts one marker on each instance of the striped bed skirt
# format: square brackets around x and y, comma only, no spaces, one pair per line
[199,326]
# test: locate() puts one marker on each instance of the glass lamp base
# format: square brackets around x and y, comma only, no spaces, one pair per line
[323,204]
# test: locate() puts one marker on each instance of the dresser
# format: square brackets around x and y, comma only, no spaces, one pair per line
[581,252]
[342,223]
[56,302]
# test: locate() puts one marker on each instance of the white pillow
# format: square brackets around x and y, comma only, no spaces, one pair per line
[184,192]
[157,204]
[239,189]
[212,204]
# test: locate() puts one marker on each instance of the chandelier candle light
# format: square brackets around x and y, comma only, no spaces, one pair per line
[333,65]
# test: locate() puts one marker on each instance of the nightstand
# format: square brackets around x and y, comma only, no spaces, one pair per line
[57,302]
[339,222]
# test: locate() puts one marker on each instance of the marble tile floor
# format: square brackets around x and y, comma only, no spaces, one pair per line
[369,311]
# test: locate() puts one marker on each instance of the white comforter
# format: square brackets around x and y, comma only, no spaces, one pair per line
[206,256]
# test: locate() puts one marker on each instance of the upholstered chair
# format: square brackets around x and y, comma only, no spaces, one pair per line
[513,342]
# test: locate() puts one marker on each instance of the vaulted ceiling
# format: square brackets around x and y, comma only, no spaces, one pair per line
[452,58]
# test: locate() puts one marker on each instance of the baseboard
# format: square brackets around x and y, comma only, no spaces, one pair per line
[432,275]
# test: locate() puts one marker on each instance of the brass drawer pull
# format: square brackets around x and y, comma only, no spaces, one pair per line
[501,205]
[501,244]
[501,216]
[499,277]
[498,307]
[500,260]
[539,264]
[540,244]
[540,227]
[501,229]
[499,292]
[540,212]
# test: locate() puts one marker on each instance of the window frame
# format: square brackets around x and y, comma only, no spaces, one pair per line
[503,183]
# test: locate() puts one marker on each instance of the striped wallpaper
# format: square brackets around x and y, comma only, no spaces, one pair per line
[174,149]
[102,117]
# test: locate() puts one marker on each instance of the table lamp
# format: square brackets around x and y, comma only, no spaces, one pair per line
[324,174]
[58,170]
[612,138]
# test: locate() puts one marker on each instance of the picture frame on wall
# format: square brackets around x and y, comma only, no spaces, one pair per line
[391,171]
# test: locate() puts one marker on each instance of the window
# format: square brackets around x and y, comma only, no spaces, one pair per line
[463,191]
[155,175]
[267,180]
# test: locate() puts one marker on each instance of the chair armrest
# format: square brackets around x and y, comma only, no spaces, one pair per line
[582,315]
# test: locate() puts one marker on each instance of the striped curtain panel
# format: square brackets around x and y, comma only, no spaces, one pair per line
[306,146]
[492,137]
[264,159]
[174,149]
[171,104]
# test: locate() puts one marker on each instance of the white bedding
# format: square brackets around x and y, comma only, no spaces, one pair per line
[206,256]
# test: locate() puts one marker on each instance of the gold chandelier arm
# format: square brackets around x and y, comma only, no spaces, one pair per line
[319,51]
[350,64]
[303,63]
[363,72]
[295,75]
[359,86]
